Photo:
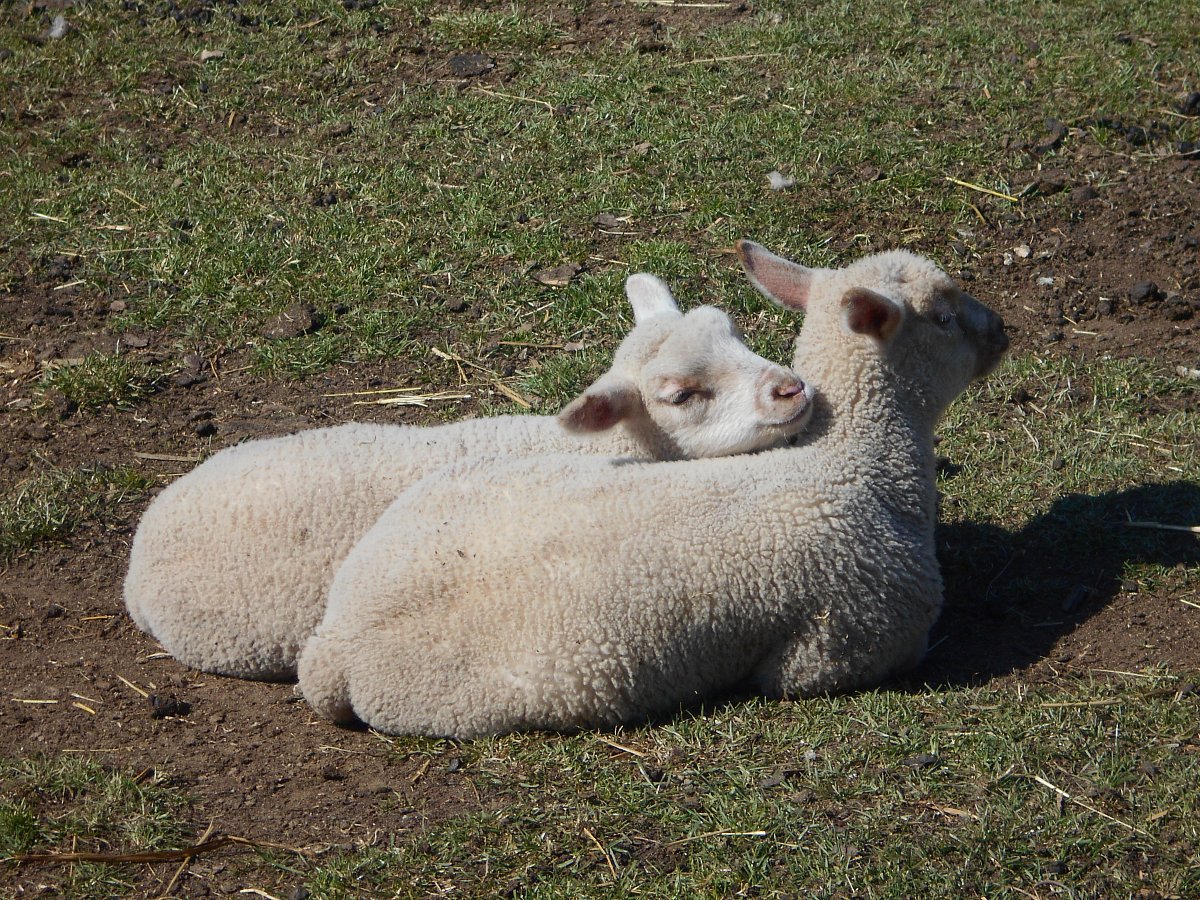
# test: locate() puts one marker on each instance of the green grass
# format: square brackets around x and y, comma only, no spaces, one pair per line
[187,189]
[1085,429]
[473,188]
[100,379]
[54,502]
[66,803]
[883,794]
[824,798]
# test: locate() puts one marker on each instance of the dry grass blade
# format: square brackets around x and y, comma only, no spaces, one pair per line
[512,395]
[681,3]
[1158,526]
[183,866]
[133,686]
[371,393]
[620,747]
[603,852]
[710,834]
[720,59]
[515,97]
[494,377]
[983,190]
[1042,781]
[413,399]
[166,457]
[1112,701]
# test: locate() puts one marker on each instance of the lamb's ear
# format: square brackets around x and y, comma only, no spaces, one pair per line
[607,402]
[649,296]
[872,314]
[778,279]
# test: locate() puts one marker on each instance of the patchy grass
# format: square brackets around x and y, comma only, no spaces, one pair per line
[933,794]
[320,158]
[67,804]
[53,503]
[327,156]
[882,794]
[100,379]
[1051,427]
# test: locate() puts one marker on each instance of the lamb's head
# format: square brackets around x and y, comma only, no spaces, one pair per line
[891,312]
[686,385]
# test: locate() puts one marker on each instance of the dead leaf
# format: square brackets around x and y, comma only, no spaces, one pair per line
[206,55]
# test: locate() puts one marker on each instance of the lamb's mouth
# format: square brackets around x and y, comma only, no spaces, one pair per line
[797,421]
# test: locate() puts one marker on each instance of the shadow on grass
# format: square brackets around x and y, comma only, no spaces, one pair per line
[1011,595]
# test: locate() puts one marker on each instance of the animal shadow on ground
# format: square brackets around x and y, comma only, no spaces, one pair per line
[1011,595]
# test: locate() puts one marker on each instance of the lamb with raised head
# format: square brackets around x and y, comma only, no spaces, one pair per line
[566,593]
[231,564]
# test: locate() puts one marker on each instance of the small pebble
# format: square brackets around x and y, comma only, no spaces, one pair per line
[187,379]
[162,707]
[921,761]
[468,65]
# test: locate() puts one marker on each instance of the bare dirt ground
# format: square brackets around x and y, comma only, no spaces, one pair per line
[257,763]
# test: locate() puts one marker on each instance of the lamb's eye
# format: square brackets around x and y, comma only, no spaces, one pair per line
[944,319]
[681,397]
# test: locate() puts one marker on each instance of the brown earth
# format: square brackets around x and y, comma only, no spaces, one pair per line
[252,758]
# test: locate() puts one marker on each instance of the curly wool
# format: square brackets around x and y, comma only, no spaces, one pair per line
[564,593]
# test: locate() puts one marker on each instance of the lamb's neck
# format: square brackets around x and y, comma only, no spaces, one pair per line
[875,429]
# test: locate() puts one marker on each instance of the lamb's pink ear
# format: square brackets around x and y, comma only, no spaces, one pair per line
[871,314]
[607,402]
[778,279]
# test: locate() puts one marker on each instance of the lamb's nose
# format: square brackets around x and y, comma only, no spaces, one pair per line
[788,389]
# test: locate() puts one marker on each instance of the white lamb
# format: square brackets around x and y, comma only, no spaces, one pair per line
[231,564]
[566,593]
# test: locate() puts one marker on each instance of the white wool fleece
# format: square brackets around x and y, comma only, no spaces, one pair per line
[231,564]
[566,592]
